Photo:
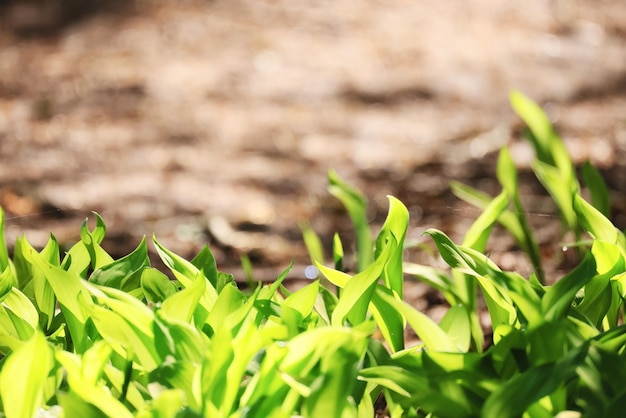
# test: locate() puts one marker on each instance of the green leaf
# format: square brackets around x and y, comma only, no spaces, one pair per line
[553,166]
[93,362]
[4,252]
[613,313]
[389,320]
[32,282]
[331,389]
[336,277]
[450,252]
[499,303]
[600,196]
[125,272]
[456,323]
[51,251]
[84,253]
[23,378]
[556,183]
[220,374]
[228,302]
[335,354]
[538,122]
[509,220]
[224,279]
[181,375]
[356,295]
[507,172]
[594,222]
[6,282]
[609,259]
[168,404]
[77,261]
[558,298]
[476,238]
[182,305]
[68,287]
[395,227]
[601,390]
[156,286]
[178,339]
[612,340]
[303,299]
[43,291]
[74,406]
[23,269]
[312,242]
[547,343]
[436,279]
[126,323]
[205,262]
[478,234]
[396,378]
[519,228]
[433,337]
[268,292]
[128,388]
[307,349]
[515,395]
[356,205]
[337,252]
[83,379]
[25,316]
[186,273]
[597,300]
[599,292]
[126,337]
[13,331]
[92,241]
[470,195]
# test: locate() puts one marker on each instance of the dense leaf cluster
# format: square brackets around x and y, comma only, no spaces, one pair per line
[84,335]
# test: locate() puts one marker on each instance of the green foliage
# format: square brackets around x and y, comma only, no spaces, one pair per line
[356,205]
[92,336]
[85,335]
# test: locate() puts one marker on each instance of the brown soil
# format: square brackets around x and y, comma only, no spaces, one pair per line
[217,121]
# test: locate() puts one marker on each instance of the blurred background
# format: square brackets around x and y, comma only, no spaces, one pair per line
[217,121]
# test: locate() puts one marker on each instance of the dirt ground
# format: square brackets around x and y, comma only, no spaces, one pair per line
[217,121]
